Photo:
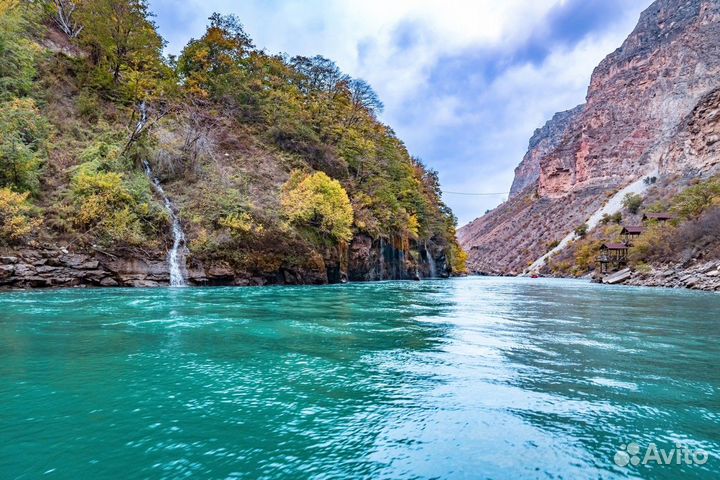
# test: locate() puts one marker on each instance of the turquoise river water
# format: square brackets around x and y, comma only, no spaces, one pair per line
[465,378]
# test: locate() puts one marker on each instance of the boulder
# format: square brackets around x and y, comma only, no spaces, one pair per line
[618,277]
[108,282]
[73,260]
[89,265]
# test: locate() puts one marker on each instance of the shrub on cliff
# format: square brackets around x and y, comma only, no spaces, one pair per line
[17,216]
[115,206]
[581,230]
[694,200]
[23,136]
[320,203]
[17,67]
[702,234]
[632,202]
[614,218]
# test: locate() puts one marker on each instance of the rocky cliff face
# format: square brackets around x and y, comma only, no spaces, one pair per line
[365,259]
[650,107]
[542,143]
[637,97]
[695,149]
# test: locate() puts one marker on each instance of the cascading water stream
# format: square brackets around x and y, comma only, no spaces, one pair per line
[176,255]
[381,259]
[431,263]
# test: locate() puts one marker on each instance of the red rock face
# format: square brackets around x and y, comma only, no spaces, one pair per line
[544,141]
[637,97]
[650,105]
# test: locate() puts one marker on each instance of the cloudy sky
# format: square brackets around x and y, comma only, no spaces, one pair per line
[465,82]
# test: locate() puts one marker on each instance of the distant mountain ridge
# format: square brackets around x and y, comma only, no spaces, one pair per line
[650,104]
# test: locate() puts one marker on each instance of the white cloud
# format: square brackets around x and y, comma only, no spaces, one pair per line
[335,29]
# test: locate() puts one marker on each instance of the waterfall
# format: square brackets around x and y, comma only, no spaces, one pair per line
[381,258]
[176,256]
[399,261]
[431,263]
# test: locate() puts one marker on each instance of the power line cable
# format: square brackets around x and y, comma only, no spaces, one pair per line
[476,194]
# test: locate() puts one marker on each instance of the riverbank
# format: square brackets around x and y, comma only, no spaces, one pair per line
[703,276]
[48,266]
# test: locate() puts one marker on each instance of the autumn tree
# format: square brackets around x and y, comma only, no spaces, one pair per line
[17,218]
[319,202]
[125,46]
[210,64]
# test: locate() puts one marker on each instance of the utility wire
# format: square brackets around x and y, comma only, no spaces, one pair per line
[477,194]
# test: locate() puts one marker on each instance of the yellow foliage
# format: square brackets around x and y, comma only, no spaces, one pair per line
[104,203]
[458,259]
[16,221]
[240,224]
[413,226]
[654,240]
[319,202]
[7,5]
[585,256]
[201,240]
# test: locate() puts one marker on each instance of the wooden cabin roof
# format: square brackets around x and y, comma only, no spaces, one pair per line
[613,246]
[658,216]
[632,230]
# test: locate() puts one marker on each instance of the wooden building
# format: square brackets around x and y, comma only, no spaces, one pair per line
[660,217]
[630,233]
[613,256]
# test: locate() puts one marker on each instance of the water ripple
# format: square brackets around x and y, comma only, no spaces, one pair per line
[468,378]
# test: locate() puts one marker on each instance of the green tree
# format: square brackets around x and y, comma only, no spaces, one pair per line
[125,48]
[23,136]
[632,202]
[581,230]
[319,202]
[17,63]
[210,65]
[694,200]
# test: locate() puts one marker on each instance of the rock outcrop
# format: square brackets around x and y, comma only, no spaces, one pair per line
[542,143]
[45,266]
[695,149]
[651,107]
[697,276]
